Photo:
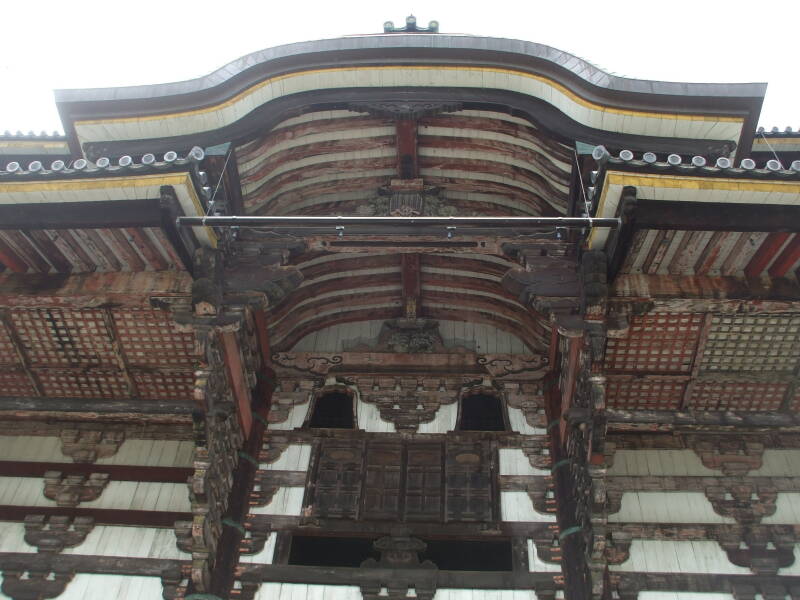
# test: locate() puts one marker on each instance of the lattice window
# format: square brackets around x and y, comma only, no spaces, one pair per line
[469,482]
[734,395]
[424,482]
[62,337]
[149,338]
[752,343]
[338,486]
[644,394]
[382,481]
[658,343]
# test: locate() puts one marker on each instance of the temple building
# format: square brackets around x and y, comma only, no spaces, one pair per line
[404,315]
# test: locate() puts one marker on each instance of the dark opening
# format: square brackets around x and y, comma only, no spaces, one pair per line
[469,555]
[482,412]
[330,551]
[333,410]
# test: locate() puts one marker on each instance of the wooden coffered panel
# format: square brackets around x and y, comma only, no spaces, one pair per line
[704,361]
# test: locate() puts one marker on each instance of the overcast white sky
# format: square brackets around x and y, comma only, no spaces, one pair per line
[87,43]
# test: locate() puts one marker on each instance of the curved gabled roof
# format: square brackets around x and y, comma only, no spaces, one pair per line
[574,98]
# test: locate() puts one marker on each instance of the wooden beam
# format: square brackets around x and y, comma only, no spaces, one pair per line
[412,288]
[95,406]
[714,216]
[90,290]
[101,516]
[115,472]
[81,215]
[699,290]
[664,420]
[483,580]
[407,161]
[766,253]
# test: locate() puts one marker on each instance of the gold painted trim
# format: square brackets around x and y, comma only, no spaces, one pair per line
[687,183]
[567,92]
[702,183]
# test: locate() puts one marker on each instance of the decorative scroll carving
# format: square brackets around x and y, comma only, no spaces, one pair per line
[218,438]
[266,483]
[173,584]
[318,364]
[254,541]
[499,365]
[747,503]
[731,455]
[71,490]
[547,547]
[538,452]
[764,551]
[86,446]
[412,336]
[399,552]
[21,584]
[183,535]
[404,109]
[408,402]
[273,447]
[543,499]
[215,457]
[56,533]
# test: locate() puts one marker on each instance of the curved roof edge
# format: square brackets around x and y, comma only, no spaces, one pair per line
[580,68]
[584,93]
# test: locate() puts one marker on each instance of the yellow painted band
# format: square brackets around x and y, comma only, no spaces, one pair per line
[569,93]
[702,183]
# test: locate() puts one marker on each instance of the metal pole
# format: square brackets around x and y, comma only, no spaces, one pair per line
[482,222]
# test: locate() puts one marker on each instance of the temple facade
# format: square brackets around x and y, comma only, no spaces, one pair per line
[406,315]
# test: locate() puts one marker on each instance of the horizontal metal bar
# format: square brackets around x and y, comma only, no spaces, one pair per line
[442,222]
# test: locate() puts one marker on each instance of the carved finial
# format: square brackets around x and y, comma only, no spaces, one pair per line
[411,26]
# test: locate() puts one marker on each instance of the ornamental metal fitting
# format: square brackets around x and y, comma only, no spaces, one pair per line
[411,26]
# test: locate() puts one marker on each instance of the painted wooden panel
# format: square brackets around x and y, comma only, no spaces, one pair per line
[787,510]
[294,458]
[451,594]
[483,338]
[127,495]
[779,463]
[299,591]
[369,418]
[517,506]
[536,565]
[445,420]
[286,501]
[684,596]
[264,557]
[794,568]
[139,542]
[297,416]
[104,540]
[518,423]
[666,507]
[514,462]
[120,587]
[665,556]
[154,453]
[659,462]
[12,538]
